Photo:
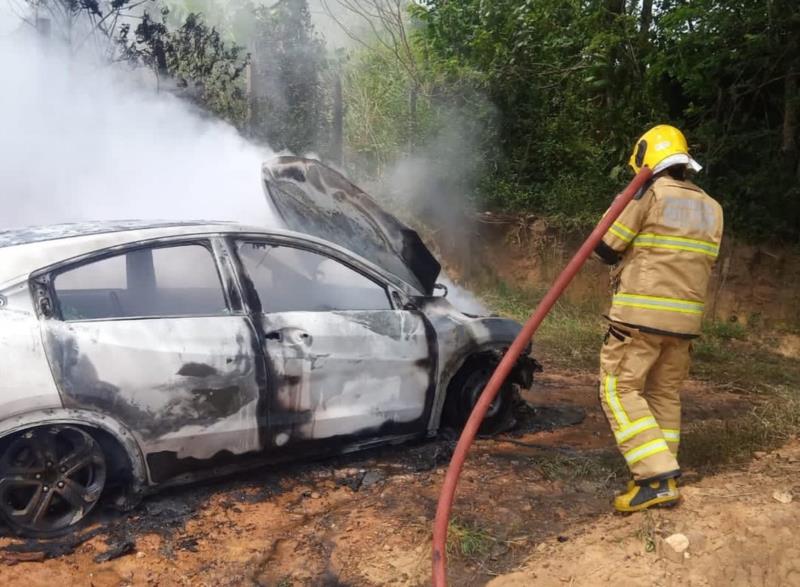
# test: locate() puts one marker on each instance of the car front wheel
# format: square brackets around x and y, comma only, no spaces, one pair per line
[50,479]
[464,391]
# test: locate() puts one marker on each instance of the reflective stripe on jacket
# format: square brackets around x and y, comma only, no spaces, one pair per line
[669,239]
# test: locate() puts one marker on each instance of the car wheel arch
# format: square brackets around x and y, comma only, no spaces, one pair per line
[490,353]
[115,439]
[486,353]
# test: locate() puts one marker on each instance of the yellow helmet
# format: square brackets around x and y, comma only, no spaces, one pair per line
[660,147]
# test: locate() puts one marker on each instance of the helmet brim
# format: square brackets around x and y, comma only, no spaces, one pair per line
[678,159]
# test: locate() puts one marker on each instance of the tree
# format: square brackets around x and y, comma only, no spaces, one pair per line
[575,82]
[728,72]
[81,24]
[203,68]
[288,88]
[383,31]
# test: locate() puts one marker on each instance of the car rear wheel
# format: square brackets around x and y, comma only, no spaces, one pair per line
[464,391]
[50,479]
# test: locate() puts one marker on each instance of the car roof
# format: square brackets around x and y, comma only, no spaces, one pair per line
[26,250]
[36,234]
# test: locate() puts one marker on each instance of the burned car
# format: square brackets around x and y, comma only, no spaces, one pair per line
[140,355]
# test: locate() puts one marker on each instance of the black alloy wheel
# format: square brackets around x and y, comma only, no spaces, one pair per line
[50,479]
[464,391]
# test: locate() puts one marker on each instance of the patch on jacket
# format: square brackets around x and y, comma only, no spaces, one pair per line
[689,214]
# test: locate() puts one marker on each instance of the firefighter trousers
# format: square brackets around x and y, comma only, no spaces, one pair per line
[640,378]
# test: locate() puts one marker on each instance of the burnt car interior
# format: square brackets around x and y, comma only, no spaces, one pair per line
[288,279]
[162,281]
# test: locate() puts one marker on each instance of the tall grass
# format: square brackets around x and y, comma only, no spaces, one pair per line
[727,354]
[570,336]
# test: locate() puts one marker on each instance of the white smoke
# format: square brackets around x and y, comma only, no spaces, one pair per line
[82,141]
[462,299]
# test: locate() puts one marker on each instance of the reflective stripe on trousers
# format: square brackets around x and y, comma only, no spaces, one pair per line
[645,422]
[627,429]
[645,450]
[671,434]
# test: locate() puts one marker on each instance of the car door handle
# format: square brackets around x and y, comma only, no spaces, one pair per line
[290,336]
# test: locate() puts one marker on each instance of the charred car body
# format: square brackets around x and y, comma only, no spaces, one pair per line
[140,355]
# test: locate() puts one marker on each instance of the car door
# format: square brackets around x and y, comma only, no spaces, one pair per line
[150,337]
[344,365]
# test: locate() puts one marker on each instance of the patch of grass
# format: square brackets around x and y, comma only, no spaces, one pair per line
[724,330]
[601,467]
[705,445]
[712,443]
[647,531]
[467,541]
[745,364]
[570,336]
[728,356]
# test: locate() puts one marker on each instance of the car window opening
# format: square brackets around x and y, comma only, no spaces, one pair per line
[287,279]
[152,282]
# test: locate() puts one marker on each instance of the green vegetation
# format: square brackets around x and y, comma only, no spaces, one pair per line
[207,70]
[728,354]
[600,467]
[468,541]
[556,92]
[287,100]
[745,363]
[705,446]
[729,357]
[570,336]
[575,82]
[525,106]
[712,443]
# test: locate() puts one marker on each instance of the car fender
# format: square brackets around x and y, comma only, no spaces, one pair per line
[460,337]
[86,418]
[521,374]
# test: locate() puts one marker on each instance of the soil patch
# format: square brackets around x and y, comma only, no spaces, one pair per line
[366,519]
[740,526]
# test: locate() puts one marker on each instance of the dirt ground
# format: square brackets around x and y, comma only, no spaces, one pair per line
[522,515]
[741,532]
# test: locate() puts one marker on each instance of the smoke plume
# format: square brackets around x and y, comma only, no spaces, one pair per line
[80,140]
[86,141]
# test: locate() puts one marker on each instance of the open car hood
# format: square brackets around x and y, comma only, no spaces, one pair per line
[316,200]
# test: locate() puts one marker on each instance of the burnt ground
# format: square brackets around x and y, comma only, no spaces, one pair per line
[365,519]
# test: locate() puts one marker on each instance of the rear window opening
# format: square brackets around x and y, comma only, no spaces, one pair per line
[154,282]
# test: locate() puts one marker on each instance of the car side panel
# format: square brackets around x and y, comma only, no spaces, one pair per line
[26,382]
[186,387]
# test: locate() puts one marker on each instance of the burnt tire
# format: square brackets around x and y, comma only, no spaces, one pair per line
[51,477]
[463,393]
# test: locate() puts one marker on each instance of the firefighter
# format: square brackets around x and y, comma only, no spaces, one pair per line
[663,247]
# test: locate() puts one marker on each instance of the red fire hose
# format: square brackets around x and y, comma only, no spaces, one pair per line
[505,366]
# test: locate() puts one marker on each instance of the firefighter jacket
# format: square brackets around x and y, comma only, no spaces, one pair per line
[668,240]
